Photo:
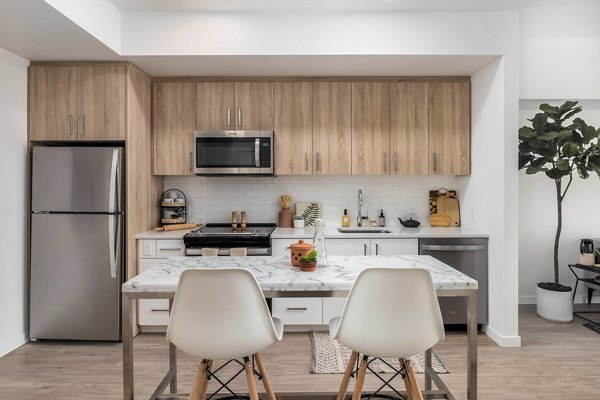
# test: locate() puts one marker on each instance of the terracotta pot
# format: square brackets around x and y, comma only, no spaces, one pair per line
[285,218]
[308,267]
[299,250]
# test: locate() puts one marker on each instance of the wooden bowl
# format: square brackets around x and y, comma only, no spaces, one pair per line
[299,250]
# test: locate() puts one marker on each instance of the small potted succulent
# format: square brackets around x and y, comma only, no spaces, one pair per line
[309,263]
[298,221]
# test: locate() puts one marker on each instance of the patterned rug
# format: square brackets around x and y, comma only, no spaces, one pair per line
[331,357]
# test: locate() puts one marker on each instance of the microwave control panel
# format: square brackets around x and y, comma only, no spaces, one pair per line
[265,152]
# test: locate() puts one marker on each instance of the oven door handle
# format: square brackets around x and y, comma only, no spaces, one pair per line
[432,247]
[257,152]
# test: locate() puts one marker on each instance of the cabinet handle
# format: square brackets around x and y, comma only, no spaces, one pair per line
[365,248]
[385,161]
[228,117]
[376,249]
[318,161]
[170,249]
[81,125]
[396,161]
[159,309]
[306,161]
[434,156]
[191,163]
[69,119]
[297,308]
[240,117]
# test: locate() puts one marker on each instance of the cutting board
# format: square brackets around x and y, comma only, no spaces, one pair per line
[444,209]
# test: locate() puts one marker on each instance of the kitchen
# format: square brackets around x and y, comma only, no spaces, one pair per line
[494,86]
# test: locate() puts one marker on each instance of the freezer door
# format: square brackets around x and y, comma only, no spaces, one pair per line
[76,275]
[77,179]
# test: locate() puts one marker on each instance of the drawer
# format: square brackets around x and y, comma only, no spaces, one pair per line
[166,248]
[147,248]
[298,311]
[153,312]
[332,308]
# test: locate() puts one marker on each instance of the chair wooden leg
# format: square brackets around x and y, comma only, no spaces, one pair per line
[410,381]
[200,386]
[346,380]
[252,391]
[265,377]
[360,379]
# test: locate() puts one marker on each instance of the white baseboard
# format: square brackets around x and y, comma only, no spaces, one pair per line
[503,341]
[13,343]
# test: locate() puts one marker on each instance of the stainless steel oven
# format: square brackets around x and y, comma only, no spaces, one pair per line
[233,153]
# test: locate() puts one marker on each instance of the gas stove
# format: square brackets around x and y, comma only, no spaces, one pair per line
[256,238]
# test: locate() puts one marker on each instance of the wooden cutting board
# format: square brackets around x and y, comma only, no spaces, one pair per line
[441,205]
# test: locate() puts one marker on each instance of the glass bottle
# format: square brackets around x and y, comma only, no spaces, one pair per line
[319,242]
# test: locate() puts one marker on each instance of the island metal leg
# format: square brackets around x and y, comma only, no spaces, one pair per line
[427,376]
[472,346]
[127,336]
[173,360]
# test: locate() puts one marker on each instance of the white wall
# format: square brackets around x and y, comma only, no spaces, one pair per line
[13,203]
[213,199]
[537,223]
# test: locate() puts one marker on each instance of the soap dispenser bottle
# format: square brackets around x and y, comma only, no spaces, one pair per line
[381,219]
[345,219]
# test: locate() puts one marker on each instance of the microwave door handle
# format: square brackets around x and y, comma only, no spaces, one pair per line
[257,152]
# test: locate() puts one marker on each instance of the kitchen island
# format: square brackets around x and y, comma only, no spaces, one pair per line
[278,278]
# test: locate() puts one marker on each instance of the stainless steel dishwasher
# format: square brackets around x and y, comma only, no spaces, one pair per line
[469,256]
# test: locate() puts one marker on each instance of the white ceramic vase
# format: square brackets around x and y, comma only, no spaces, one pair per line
[555,306]
[298,223]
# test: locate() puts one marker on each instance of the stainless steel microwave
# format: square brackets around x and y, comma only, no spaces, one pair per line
[233,153]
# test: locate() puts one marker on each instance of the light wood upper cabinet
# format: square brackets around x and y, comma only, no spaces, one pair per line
[53,103]
[292,103]
[102,102]
[254,105]
[77,103]
[409,130]
[215,105]
[370,128]
[449,128]
[332,128]
[174,124]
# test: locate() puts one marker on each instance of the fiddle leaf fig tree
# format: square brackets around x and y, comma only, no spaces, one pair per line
[558,148]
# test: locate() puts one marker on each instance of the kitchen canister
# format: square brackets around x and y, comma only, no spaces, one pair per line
[299,250]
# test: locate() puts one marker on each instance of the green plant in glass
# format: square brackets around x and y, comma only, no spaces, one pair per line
[558,148]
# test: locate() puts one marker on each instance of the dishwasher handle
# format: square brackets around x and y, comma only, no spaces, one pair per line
[434,247]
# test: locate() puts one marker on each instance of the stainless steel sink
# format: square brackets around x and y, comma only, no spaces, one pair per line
[363,230]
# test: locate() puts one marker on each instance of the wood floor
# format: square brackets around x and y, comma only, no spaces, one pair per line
[556,361]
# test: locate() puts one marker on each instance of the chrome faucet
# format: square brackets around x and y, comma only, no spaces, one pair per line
[360,203]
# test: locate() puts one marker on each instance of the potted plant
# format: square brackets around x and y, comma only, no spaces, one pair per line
[298,221]
[309,263]
[558,148]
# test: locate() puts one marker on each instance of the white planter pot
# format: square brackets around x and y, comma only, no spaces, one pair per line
[298,223]
[555,306]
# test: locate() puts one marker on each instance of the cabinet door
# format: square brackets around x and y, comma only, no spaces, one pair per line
[332,128]
[348,247]
[254,105]
[409,130]
[370,128]
[102,103]
[52,103]
[394,247]
[292,103]
[449,128]
[174,125]
[215,105]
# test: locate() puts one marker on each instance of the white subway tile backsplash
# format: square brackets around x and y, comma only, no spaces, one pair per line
[211,199]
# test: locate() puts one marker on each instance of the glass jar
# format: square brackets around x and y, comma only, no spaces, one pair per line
[319,242]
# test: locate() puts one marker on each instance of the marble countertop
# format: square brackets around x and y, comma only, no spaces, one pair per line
[276,273]
[397,232]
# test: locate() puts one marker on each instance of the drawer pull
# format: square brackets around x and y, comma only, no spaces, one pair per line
[159,309]
[171,248]
[297,308]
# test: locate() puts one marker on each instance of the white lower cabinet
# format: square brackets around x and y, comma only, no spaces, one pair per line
[153,314]
[296,312]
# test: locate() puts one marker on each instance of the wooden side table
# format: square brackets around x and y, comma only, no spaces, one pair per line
[590,281]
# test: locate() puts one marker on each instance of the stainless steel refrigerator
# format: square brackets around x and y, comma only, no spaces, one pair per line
[77,238]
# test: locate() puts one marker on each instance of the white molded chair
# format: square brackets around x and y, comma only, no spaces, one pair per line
[221,314]
[390,313]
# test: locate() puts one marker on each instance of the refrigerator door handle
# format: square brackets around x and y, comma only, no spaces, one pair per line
[112,193]
[113,241]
